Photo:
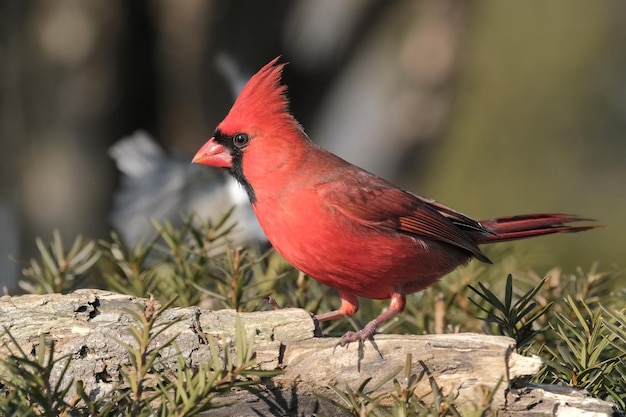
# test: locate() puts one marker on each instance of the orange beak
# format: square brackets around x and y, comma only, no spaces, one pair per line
[213,154]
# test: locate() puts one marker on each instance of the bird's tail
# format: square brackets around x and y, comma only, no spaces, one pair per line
[528,225]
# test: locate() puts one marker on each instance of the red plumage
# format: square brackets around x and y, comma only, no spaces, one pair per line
[343,226]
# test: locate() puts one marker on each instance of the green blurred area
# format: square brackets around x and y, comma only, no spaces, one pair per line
[537,124]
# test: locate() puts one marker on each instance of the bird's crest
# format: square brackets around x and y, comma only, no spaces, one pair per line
[262,102]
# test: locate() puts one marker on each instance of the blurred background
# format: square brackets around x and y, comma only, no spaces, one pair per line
[494,108]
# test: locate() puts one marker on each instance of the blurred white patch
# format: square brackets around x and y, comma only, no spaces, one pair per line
[159,186]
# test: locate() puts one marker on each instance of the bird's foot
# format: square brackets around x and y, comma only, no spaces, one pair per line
[362,335]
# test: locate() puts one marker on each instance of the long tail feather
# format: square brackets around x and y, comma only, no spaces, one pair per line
[529,225]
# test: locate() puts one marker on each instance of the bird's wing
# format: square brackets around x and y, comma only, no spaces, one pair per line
[377,203]
[457,218]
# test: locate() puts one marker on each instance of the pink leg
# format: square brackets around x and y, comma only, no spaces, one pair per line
[398,301]
[349,306]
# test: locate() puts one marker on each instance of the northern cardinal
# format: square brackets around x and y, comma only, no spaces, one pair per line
[340,224]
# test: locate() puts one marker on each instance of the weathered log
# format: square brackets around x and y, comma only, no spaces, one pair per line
[89,324]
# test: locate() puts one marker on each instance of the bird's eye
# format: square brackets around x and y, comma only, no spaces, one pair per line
[240,140]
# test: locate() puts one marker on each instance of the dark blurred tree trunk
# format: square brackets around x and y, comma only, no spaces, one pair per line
[12,130]
[182,44]
[66,88]
[76,76]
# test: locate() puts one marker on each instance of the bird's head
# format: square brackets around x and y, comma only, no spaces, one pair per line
[259,123]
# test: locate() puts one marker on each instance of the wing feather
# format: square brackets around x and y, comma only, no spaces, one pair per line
[377,203]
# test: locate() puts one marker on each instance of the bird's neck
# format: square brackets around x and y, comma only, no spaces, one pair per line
[270,166]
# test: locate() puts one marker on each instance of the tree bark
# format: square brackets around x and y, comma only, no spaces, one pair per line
[88,325]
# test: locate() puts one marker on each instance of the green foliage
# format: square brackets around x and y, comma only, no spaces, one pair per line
[583,338]
[58,271]
[144,356]
[25,381]
[132,274]
[180,262]
[616,324]
[512,319]
[588,351]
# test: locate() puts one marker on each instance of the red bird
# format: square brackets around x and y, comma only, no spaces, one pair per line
[340,224]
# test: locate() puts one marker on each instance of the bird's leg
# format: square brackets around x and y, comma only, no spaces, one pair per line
[349,306]
[398,301]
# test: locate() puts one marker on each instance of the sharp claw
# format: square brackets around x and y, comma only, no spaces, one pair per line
[350,337]
[361,336]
